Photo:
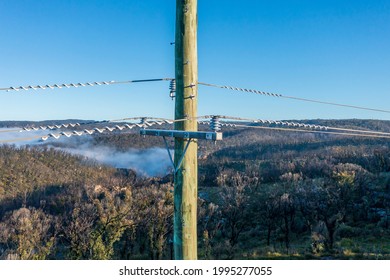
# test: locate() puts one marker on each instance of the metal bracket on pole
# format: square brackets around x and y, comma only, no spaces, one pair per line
[205,135]
[176,168]
[190,135]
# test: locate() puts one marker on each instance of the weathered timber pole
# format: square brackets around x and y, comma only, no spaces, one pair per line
[186,178]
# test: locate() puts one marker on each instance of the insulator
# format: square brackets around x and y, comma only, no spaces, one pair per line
[172,88]
[90,132]
[110,129]
[215,124]
[143,122]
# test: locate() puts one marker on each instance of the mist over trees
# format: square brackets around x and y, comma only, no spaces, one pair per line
[261,195]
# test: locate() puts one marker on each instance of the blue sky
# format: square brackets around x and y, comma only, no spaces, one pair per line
[331,50]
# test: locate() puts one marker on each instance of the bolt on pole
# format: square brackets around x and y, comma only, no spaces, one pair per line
[186,178]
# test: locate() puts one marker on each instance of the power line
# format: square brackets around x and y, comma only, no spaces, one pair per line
[306,131]
[214,123]
[51,127]
[9,130]
[148,121]
[20,139]
[263,121]
[88,131]
[72,125]
[69,85]
[299,124]
[143,124]
[292,97]
[358,130]
[75,85]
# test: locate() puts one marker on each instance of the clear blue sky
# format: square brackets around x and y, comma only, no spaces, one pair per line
[333,50]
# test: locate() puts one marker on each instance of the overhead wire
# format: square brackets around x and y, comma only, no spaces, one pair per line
[235,125]
[306,131]
[263,121]
[69,85]
[49,127]
[19,139]
[159,121]
[10,130]
[143,124]
[213,121]
[298,124]
[292,97]
[72,125]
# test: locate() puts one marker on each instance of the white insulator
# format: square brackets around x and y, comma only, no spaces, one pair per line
[99,130]
[110,128]
[215,123]
[90,132]
[172,89]
[67,134]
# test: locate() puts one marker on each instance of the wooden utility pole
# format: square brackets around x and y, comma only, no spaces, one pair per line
[186,177]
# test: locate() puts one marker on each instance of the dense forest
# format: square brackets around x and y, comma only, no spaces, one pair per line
[262,195]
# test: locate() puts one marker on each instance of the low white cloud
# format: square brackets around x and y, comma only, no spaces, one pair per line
[147,162]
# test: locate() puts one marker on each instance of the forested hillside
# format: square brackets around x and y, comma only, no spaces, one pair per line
[262,194]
